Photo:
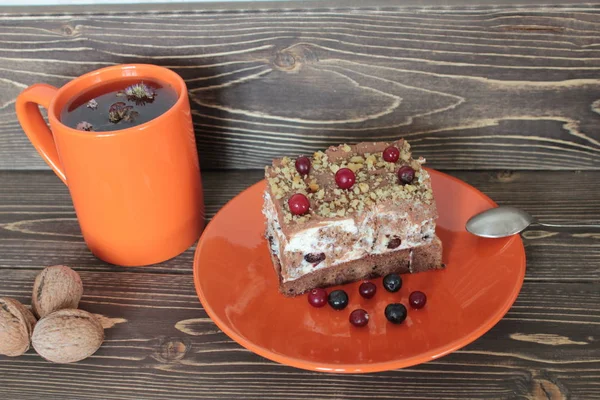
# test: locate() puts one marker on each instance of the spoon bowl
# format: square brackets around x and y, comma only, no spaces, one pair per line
[507,221]
[499,222]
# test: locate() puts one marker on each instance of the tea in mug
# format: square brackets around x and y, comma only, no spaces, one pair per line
[119,105]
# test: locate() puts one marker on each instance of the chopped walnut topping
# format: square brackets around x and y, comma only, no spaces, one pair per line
[405,151]
[376,181]
[297,182]
[355,167]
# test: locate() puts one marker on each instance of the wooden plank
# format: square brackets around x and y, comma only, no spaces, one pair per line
[279,5]
[38,225]
[499,86]
[164,346]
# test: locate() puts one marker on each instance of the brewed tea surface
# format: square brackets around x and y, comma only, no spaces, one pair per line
[118,105]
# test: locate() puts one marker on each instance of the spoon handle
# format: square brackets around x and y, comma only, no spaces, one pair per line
[583,228]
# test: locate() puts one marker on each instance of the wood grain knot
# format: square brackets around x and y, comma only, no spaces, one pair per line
[171,349]
[284,61]
[67,30]
[293,57]
[547,390]
[507,176]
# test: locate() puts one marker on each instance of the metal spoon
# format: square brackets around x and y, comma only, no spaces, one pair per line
[506,221]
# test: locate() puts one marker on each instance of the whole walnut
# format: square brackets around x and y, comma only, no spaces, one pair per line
[16,327]
[67,336]
[56,288]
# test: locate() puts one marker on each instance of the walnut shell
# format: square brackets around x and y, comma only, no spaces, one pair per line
[67,336]
[16,327]
[56,288]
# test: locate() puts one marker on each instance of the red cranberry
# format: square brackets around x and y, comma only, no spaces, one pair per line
[345,178]
[359,317]
[299,204]
[417,299]
[317,298]
[367,290]
[406,175]
[303,165]
[391,154]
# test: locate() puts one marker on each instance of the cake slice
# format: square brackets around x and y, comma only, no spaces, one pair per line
[352,212]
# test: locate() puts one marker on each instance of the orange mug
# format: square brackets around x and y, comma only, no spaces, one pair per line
[137,192]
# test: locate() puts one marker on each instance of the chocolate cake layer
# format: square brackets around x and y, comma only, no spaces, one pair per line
[419,259]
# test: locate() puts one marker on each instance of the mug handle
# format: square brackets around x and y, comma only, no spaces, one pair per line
[35,127]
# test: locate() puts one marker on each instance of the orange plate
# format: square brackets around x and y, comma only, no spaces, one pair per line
[236,283]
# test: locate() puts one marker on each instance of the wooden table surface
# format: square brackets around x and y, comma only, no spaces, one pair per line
[463,82]
[473,84]
[162,345]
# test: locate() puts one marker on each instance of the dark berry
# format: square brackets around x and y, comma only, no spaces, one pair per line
[345,178]
[367,290]
[392,282]
[417,299]
[314,257]
[396,313]
[299,204]
[338,299]
[406,175]
[394,243]
[391,154]
[317,298]
[303,165]
[359,317]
